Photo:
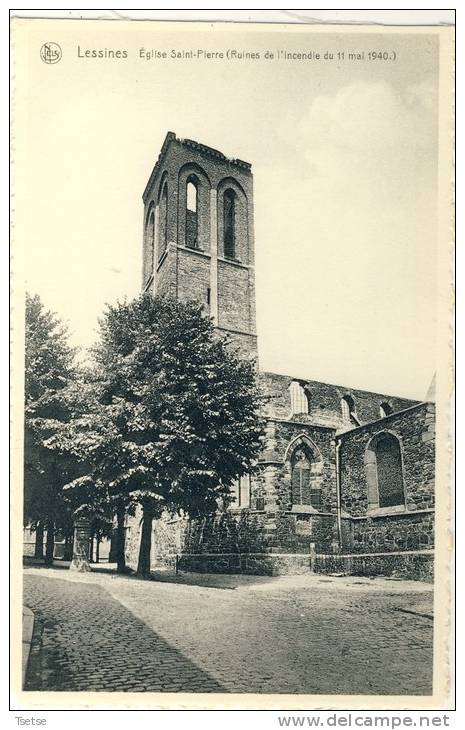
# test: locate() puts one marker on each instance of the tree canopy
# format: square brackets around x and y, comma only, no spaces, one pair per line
[49,370]
[169,414]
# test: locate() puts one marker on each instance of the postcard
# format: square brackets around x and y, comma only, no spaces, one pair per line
[232,373]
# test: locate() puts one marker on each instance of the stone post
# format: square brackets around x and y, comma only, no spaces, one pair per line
[312,551]
[80,561]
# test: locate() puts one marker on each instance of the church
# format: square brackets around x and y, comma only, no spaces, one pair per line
[345,481]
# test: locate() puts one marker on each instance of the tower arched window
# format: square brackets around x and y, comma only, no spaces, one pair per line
[151,242]
[384,472]
[163,221]
[229,223]
[191,213]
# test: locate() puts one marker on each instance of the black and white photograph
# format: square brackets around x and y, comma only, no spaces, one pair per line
[232,329]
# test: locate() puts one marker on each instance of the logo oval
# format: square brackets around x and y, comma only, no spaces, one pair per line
[50,53]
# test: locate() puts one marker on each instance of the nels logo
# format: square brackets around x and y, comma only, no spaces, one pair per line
[50,53]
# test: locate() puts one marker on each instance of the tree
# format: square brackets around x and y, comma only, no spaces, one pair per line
[49,362]
[92,439]
[172,420]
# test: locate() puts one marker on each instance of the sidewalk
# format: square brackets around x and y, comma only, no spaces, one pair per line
[28,627]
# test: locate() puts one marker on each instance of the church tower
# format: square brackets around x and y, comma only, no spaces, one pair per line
[199,236]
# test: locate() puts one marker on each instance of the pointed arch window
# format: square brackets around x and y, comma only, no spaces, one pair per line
[191,212]
[163,221]
[229,223]
[305,489]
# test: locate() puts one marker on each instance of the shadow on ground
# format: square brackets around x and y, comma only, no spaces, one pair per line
[85,640]
[221,581]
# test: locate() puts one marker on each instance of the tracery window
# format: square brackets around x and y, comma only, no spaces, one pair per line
[304,489]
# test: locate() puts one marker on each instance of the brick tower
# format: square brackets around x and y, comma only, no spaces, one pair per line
[199,235]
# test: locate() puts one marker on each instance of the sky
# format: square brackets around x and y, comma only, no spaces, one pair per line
[344,157]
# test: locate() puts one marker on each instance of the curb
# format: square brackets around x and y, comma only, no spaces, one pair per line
[28,627]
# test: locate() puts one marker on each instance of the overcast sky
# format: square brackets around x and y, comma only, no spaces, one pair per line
[344,158]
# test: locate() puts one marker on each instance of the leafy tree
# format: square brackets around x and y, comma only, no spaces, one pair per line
[92,439]
[49,362]
[172,416]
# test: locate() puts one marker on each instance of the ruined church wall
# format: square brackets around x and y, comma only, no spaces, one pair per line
[404,527]
[292,528]
[324,401]
[415,430]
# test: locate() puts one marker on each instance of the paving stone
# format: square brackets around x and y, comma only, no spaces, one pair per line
[110,633]
[74,613]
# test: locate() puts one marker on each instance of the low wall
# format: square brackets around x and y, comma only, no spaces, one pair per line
[405,531]
[246,563]
[410,565]
[414,565]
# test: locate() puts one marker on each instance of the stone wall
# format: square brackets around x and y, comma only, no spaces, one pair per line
[166,273]
[414,429]
[325,402]
[407,526]
[413,565]
[249,563]
[193,274]
[233,297]
[226,532]
[288,527]
[386,533]
[242,344]
[281,438]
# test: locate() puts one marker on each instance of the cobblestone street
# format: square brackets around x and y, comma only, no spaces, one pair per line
[201,633]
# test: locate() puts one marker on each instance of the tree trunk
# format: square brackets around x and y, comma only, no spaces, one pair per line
[50,543]
[143,567]
[39,546]
[91,549]
[97,547]
[120,541]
